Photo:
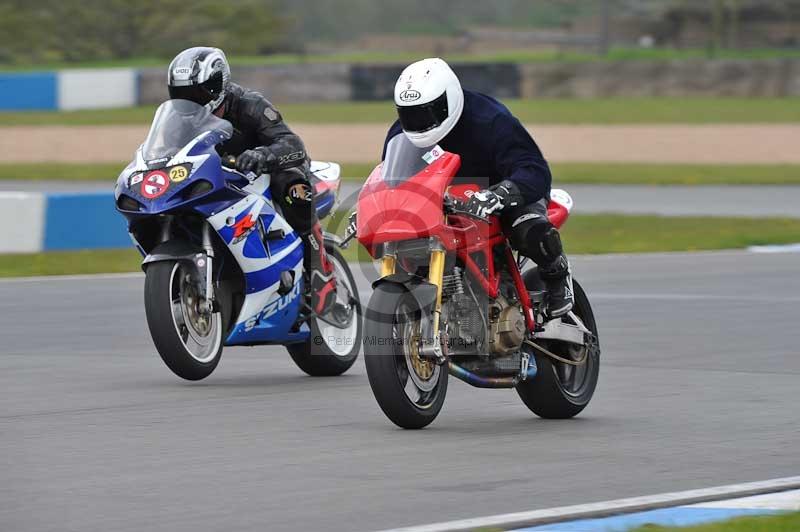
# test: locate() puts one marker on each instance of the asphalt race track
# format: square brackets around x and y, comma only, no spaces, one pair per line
[699,387]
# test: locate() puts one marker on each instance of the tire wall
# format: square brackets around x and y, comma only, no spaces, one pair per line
[625,79]
[334,82]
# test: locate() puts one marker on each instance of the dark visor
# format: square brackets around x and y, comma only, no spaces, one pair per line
[423,117]
[200,94]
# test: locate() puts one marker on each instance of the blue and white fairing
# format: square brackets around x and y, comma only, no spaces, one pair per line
[239,208]
[265,314]
[183,134]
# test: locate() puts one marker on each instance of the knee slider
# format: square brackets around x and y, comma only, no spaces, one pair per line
[551,244]
[294,185]
[296,198]
[538,240]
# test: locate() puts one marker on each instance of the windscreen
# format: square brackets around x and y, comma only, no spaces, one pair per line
[403,160]
[176,123]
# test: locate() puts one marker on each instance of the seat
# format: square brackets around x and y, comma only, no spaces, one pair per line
[326,180]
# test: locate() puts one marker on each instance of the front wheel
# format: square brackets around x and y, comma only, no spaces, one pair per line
[188,338]
[332,350]
[409,389]
[559,390]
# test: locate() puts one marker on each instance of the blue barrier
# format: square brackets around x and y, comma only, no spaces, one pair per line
[28,91]
[83,220]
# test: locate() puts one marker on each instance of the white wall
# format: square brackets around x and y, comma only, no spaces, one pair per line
[21,222]
[96,88]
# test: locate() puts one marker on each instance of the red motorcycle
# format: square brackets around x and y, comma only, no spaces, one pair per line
[452,299]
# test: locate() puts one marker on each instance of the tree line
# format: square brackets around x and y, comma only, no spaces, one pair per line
[35,31]
[51,31]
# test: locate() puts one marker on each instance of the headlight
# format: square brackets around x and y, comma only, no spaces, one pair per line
[200,188]
[127,203]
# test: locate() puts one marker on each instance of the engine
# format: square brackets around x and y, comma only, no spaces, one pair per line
[477,326]
[506,327]
[465,323]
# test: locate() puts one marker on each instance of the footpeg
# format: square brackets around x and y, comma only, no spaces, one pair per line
[286,282]
[529,369]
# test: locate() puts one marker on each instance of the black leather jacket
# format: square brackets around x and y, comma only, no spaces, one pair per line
[257,123]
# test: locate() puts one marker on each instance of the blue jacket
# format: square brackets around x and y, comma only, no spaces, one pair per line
[493,146]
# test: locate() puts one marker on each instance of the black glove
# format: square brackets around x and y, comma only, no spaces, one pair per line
[493,200]
[508,192]
[259,161]
[483,203]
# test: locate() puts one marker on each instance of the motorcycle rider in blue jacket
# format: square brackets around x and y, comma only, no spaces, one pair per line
[262,143]
[496,152]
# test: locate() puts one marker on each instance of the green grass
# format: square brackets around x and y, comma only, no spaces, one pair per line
[509,56]
[539,111]
[773,523]
[642,174]
[610,233]
[142,115]
[62,171]
[584,234]
[578,111]
[70,262]
[675,174]
[565,173]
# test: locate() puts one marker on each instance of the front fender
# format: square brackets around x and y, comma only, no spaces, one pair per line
[423,292]
[177,250]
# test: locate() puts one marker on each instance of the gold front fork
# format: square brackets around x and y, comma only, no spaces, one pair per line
[389,259]
[435,276]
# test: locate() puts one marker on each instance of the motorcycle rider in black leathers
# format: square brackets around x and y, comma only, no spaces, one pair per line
[262,143]
[497,152]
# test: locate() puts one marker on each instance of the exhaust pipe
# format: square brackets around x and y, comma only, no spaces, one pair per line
[481,382]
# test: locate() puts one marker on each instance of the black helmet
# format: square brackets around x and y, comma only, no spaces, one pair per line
[200,74]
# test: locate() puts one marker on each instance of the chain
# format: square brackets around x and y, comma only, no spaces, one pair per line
[563,360]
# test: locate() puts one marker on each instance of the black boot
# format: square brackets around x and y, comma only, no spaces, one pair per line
[320,272]
[558,278]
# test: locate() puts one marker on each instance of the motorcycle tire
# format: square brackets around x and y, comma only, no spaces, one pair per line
[329,351]
[410,402]
[189,344]
[548,394]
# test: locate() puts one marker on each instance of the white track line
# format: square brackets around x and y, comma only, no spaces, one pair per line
[788,248]
[603,509]
[785,501]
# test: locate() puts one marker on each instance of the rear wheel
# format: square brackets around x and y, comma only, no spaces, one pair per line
[561,390]
[409,390]
[331,350]
[188,338]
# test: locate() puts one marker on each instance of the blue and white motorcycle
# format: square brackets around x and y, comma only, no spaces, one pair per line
[222,265]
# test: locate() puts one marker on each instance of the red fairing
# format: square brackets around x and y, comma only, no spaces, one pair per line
[414,209]
[411,209]
[557,214]
[320,186]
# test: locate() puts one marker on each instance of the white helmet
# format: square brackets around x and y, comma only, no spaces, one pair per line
[429,101]
[200,74]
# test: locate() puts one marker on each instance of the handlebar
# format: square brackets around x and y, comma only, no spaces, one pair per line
[229,161]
